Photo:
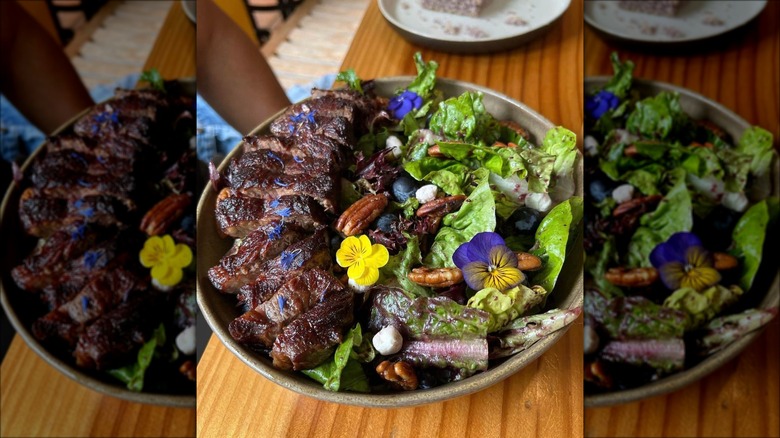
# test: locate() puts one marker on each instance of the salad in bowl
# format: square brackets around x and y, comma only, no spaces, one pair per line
[681,201]
[427,226]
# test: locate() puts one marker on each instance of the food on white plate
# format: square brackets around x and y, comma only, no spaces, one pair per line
[677,219]
[666,8]
[381,242]
[470,8]
[108,199]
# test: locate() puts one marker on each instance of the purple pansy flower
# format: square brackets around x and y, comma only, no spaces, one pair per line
[486,261]
[596,105]
[682,262]
[403,103]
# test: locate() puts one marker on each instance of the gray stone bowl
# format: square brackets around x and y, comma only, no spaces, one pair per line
[21,306]
[219,309]
[698,107]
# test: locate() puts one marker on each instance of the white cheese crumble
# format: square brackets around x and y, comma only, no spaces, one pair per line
[185,341]
[623,193]
[426,193]
[388,341]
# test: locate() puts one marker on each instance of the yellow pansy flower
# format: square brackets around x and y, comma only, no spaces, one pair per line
[362,259]
[166,258]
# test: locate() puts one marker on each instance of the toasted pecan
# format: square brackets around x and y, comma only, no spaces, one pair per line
[436,277]
[359,215]
[164,214]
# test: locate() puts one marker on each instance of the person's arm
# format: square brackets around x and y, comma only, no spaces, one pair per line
[233,76]
[36,75]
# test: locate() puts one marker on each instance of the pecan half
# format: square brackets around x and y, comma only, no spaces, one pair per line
[436,278]
[636,277]
[359,215]
[164,214]
[723,261]
[434,151]
[441,206]
[188,370]
[635,203]
[514,126]
[400,374]
[528,262]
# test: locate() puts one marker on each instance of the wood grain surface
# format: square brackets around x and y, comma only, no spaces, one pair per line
[741,399]
[545,398]
[35,399]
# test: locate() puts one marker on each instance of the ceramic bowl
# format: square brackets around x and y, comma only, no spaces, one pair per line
[219,309]
[698,107]
[22,308]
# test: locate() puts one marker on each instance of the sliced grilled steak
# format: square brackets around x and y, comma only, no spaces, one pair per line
[310,340]
[323,188]
[41,216]
[100,295]
[261,325]
[329,117]
[238,215]
[247,258]
[312,252]
[304,145]
[113,339]
[46,264]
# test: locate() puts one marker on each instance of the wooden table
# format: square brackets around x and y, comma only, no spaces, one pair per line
[741,398]
[35,399]
[544,399]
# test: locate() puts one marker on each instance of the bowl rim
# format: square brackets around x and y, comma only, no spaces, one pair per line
[69,370]
[716,360]
[294,381]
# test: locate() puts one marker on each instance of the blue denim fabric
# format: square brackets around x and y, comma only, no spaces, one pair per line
[19,138]
[216,138]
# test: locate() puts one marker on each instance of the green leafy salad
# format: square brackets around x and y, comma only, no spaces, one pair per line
[455,271]
[677,217]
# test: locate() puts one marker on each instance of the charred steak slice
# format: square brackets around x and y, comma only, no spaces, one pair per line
[310,340]
[71,164]
[328,117]
[312,252]
[304,146]
[52,256]
[41,216]
[247,258]
[261,325]
[262,163]
[114,338]
[100,295]
[323,188]
[238,215]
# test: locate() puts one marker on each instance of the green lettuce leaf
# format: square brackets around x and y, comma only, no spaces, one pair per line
[153,78]
[562,144]
[344,371]
[702,306]
[425,82]
[756,142]
[464,118]
[504,307]
[658,116]
[398,267]
[620,82]
[673,215]
[597,265]
[477,214]
[553,235]
[424,317]
[133,375]
[749,235]
[351,79]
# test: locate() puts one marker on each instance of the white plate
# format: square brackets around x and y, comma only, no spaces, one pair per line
[189,9]
[695,20]
[502,24]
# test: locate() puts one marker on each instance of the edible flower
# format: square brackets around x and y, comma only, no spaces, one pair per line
[682,262]
[362,259]
[596,105]
[401,104]
[487,262]
[166,258]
